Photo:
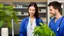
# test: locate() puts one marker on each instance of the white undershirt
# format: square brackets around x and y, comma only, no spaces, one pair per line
[30,28]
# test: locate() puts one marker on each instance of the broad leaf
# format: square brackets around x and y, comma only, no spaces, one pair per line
[43,30]
[1,23]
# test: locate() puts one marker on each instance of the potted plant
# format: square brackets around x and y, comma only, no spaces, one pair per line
[6,15]
[43,30]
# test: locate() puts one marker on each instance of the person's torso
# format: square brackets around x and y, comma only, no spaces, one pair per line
[54,26]
[37,22]
[30,27]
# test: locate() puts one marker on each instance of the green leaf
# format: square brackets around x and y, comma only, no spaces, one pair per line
[43,30]
[1,23]
[1,5]
[15,18]
[9,24]
[7,14]
[47,30]
[53,34]
[8,19]
[8,7]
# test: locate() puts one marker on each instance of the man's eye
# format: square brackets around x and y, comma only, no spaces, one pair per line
[50,10]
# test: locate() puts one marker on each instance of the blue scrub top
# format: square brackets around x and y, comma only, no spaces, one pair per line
[54,26]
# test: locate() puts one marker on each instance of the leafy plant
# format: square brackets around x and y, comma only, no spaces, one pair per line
[6,15]
[43,30]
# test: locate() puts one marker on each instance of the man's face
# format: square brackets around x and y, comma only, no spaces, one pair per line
[52,11]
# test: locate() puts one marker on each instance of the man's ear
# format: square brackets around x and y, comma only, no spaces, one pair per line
[56,10]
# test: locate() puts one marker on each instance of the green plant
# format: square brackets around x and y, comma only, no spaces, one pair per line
[6,15]
[43,30]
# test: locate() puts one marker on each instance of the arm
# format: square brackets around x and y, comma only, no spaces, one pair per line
[63,28]
[22,29]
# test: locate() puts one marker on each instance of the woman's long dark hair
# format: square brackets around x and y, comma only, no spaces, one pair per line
[36,9]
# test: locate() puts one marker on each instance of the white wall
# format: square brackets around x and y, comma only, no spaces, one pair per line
[63,10]
[56,0]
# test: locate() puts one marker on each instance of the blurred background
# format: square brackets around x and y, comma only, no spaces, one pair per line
[21,7]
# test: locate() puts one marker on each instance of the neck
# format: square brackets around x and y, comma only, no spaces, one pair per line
[32,17]
[58,15]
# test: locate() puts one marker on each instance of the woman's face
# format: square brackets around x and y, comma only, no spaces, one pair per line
[31,10]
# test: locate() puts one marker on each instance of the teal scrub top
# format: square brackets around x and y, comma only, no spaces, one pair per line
[54,26]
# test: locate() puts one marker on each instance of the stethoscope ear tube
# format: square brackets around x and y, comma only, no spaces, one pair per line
[58,28]
[59,24]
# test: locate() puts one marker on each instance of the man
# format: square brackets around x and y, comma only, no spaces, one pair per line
[57,23]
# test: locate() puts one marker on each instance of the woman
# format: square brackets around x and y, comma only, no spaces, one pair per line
[28,24]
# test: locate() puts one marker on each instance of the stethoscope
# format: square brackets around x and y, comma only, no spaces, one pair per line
[59,24]
[58,28]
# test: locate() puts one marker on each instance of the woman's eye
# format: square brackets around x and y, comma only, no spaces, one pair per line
[33,10]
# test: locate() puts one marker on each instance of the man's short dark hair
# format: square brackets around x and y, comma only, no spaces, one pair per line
[56,5]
